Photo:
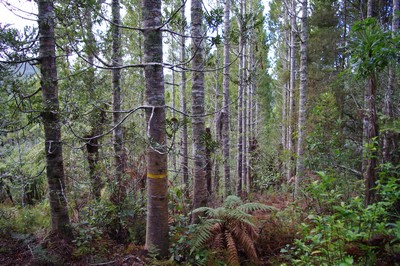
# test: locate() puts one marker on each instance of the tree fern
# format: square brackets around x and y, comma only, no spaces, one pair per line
[252,206]
[203,233]
[231,250]
[227,228]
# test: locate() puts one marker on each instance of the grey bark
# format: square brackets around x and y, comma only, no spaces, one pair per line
[98,116]
[118,190]
[156,156]
[240,102]
[184,132]
[60,224]
[302,99]
[389,143]
[370,134]
[226,102]
[292,86]
[199,150]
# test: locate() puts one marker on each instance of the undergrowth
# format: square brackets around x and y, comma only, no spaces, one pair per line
[25,220]
[346,232]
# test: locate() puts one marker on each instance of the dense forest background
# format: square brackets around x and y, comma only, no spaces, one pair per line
[200,133]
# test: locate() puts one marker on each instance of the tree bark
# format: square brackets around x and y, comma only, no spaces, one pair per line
[285,90]
[370,133]
[156,157]
[199,150]
[240,103]
[292,87]
[184,132]
[302,99]
[226,101]
[117,187]
[389,143]
[60,224]
[209,165]
[98,116]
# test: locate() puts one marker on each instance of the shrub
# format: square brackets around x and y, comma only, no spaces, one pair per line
[227,230]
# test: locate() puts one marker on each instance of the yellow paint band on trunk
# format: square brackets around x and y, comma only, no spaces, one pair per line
[157,175]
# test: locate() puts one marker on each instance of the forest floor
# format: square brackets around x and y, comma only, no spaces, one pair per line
[20,249]
[42,249]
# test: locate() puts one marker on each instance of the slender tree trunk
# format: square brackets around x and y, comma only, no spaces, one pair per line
[60,224]
[156,157]
[250,136]
[240,103]
[244,112]
[291,90]
[370,134]
[285,89]
[92,147]
[173,146]
[208,136]
[118,190]
[218,125]
[369,8]
[302,99]
[389,143]
[199,150]
[97,118]
[226,101]
[184,132]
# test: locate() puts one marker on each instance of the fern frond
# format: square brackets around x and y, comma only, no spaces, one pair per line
[232,202]
[219,243]
[244,240]
[205,210]
[253,206]
[251,230]
[236,214]
[232,255]
[202,234]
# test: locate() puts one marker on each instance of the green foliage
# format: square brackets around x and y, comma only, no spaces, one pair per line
[25,220]
[226,228]
[327,146]
[371,48]
[17,45]
[349,232]
[103,220]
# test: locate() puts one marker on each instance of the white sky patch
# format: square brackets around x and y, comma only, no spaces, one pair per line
[18,13]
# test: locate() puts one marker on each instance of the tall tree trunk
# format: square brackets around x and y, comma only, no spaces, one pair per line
[240,102]
[291,90]
[199,150]
[173,146]
[244,112]
[208,137]
[156,157]
[98,116]
[217,124]
[302,98]
[249,125]
[370,133]
[389,143]
[285,90]
[118,190]
[226,102]
[184,132]
[60,224]
[92,148]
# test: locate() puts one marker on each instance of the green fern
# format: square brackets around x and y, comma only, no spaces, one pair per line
[225,229]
